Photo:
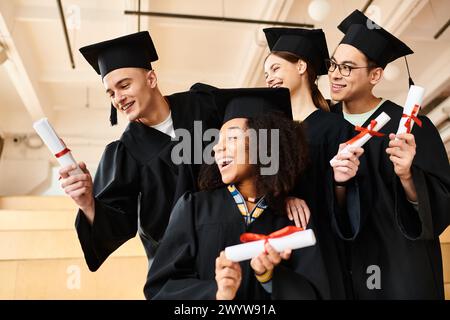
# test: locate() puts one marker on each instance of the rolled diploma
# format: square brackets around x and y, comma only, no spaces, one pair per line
[381,120]
[415,96]
[45,130]
[249,250]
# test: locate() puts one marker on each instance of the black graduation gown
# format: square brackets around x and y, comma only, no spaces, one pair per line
[137,184]
[324,132]
[401,241]
[203,224]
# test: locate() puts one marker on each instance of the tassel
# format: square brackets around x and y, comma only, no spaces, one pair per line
[113,116]
[410,80]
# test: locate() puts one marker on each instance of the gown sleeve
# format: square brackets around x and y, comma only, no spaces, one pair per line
[290,285]
[431,175]
[173,273]
[116,204]
[347,220]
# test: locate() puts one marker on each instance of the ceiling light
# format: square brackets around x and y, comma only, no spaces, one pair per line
[319,9]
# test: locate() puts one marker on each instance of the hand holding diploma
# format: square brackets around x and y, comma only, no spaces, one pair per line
[287,238]
[345,164]
[402,146]
[228,277]
[76,179]
[365,134]
[266,261]
[401,151]
[80,188]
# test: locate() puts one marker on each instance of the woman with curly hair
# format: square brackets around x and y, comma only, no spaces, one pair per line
[328,195]
[239,196]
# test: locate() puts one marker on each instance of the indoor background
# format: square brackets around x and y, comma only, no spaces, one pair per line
[219,42]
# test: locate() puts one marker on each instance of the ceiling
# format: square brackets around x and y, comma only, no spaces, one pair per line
[37,80]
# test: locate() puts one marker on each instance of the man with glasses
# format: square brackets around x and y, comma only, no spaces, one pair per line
[407,200]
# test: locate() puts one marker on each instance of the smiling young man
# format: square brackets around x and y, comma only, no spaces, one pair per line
[137,182]
[407,200]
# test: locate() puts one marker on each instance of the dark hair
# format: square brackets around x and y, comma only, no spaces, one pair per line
[317,96]
[292,160]
[371,65]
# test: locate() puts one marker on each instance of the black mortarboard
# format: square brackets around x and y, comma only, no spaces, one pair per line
[253,102]
[131,51]
[375,42]
[305,43]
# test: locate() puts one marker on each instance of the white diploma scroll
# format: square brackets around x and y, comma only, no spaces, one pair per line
[411,108]
[381,120]
[249,250]
[56,146]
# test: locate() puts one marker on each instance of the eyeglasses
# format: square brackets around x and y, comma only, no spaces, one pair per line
[344,69]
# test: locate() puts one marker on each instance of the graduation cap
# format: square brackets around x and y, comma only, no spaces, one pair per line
[305,43]
[375,42]
[131,51]
[253,102]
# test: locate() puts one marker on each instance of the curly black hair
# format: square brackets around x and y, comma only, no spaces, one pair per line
[292,160]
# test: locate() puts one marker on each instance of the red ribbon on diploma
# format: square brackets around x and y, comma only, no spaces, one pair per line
[249,237]
[60,154]
[363,131]
[64,151]
[412,117]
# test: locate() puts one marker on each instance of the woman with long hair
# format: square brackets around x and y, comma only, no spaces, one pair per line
[329,194]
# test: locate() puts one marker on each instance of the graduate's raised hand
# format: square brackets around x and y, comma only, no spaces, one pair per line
[298,210]
[265,262]
[79,188]
[346,165]
[401,152]
[228,277]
